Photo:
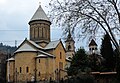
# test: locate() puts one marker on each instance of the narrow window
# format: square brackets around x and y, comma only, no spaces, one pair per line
[39,74]
[90,49]
[20,69]
[9,76]
[27,69]
[46,33]
[39,60]
[95,48]
[42,32]
[38,33]
[69,47]
[60,55]
[33,32]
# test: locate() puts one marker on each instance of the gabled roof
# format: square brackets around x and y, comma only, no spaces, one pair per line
[52,44]
[92,43]
[40,15]
[36,45]
[45,53]
[28,45]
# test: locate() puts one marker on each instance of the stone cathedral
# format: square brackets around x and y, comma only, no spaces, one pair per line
[39,58]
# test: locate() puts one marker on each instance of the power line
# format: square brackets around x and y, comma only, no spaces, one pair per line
[14,30]
[25,30]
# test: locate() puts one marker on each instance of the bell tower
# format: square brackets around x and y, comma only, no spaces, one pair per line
[40,27]
[92,47]
[69,45]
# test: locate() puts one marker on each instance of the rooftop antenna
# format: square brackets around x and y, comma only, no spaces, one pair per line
[15,43]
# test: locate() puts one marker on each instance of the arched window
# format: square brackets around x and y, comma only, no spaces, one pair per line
[39,60]
[69,47]
[27,69]
[39,74]
[60,55]
[95,48]
[20,70]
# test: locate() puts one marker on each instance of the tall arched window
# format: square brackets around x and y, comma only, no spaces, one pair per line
[20,70]
[27,69]
[69,47]
[60,55]
[39,74]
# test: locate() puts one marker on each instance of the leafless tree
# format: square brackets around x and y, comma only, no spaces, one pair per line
[87,16]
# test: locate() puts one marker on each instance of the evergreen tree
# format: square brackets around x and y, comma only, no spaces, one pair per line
[79,63]
[95,62]
[107,53]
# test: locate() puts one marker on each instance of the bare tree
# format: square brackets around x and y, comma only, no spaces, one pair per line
[88,16]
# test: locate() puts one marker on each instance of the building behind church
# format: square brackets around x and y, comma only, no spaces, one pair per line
[39,58]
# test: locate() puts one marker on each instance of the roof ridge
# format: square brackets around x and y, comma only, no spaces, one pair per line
[92,42]
[52,44]
[36,45]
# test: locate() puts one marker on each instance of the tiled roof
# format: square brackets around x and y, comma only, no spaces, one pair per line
[25,46]
[92,43]
[52,44]
[36,45]
[45,53]
[40,15]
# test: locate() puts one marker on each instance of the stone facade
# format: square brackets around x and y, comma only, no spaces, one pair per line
[40,32]
[37,59]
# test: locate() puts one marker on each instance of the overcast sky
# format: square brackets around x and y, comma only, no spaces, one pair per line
[14,18]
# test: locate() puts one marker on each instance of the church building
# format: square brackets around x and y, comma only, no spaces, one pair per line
[39,58]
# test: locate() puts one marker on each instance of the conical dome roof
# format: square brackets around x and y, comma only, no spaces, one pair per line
[92,43]
[39,15]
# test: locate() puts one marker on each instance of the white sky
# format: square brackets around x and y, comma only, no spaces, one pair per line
[15,15]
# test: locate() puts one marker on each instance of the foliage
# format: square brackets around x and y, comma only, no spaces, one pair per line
[79,63]
[82,62]
[95,62]
[107,53]
[7,49]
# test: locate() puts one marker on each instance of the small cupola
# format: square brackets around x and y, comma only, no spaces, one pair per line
[92,46]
